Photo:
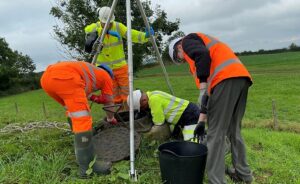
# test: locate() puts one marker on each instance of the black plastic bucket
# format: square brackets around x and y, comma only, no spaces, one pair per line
[182,162]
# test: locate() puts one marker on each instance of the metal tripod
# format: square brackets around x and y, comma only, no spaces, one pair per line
[99,41]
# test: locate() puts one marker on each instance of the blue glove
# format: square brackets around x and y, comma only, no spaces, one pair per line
[114,33]
[151,32]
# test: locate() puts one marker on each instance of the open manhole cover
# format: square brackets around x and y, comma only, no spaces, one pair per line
[113,144]
[142,120]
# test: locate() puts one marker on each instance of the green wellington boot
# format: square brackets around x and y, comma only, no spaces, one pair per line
[85,155]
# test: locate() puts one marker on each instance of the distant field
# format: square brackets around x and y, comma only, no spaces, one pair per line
[276,77]
[47,156]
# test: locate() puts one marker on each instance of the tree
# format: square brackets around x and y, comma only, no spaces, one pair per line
[294,47]
[13,66]
[76,14]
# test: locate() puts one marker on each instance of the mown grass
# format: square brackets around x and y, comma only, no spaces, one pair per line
[47,155]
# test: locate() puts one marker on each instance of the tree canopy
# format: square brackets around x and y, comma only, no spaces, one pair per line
[74,15]
[14,67]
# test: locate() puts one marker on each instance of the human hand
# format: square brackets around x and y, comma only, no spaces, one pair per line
[199,131]
[114,33]
[147,33]
[112,121]
[101,99]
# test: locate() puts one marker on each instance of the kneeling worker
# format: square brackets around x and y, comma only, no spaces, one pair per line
[70,83]
[180,114]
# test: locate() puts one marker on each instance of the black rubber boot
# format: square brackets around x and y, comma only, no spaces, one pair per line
[84,156]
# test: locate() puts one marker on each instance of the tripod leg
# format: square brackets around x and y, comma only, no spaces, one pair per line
[101,38]
[155,46]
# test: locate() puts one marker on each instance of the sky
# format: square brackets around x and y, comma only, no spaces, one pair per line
[27,26]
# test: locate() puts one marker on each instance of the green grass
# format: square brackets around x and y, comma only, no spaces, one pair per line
[47,155]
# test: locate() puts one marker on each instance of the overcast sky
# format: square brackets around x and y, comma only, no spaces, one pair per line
[242,24]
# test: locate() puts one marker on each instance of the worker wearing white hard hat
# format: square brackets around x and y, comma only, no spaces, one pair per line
[104,14]
[112,53]
[177,113]
[223,83]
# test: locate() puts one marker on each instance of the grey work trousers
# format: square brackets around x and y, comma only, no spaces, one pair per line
[226,107]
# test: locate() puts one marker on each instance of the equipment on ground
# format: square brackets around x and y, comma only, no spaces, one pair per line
[111,141]
[111,144]
[182,162]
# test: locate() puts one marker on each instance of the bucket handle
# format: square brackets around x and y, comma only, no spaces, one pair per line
[170,152]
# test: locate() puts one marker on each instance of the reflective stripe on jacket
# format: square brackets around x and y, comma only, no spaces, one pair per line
[112,53]
[94,78]
[224,63]
[165,107]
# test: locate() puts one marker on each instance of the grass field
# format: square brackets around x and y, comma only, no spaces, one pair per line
[47,155]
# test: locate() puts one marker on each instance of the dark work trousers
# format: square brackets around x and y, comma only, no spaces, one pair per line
[226,107]
[189,116]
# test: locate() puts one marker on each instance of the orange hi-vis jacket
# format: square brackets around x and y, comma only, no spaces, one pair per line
[224,63]
[70,83]
[93,78]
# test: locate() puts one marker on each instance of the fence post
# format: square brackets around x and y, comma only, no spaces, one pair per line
[44,110]
[16,106]
[275,120]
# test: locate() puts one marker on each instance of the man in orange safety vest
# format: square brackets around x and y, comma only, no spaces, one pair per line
[223,82]
[71,84]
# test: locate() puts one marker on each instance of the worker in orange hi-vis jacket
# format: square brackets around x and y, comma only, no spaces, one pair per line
[223,82]
[71,84]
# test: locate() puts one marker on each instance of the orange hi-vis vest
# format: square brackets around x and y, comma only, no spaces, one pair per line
[224,63]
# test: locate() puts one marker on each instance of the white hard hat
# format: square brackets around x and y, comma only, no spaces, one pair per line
[104,14]
[137,94]
[172,52]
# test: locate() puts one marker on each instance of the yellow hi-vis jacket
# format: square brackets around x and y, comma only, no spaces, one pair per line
[112,53]
[165,107]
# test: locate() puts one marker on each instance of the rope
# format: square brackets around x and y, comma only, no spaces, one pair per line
[16,127]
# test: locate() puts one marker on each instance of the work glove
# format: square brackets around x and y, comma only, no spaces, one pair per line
[199,131]
[151,32]
[112,121]
[101,99]
[114,33]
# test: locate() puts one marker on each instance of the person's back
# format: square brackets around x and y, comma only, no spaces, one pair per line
[165,107]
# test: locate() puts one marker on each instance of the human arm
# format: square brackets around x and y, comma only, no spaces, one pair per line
[159,132]
[157,111]
[136,36]
[195,48]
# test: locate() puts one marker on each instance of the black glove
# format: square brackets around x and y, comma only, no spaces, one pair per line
[199,131]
